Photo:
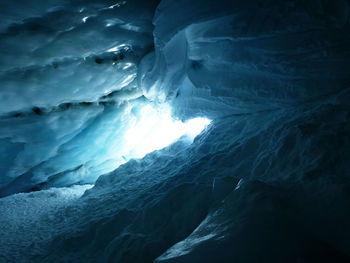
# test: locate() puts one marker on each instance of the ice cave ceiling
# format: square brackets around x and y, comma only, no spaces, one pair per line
[89,87]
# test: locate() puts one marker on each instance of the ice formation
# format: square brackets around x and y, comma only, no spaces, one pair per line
[107,154]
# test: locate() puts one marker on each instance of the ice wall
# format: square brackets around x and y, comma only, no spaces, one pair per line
[243,56]
[265,186]
[267,181]
[68,82]
[71,73]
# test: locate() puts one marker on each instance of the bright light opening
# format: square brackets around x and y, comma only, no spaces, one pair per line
[153,129]
[137,129]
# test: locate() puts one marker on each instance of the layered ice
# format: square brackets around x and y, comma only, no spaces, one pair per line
[92,91]
[67,86]
[78,145]
[182,203]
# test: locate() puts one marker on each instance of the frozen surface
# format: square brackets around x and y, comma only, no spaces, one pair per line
[29,219]
[266,181]
[73,74]
[182,203]
[68,86]
[244,56]
[65,51]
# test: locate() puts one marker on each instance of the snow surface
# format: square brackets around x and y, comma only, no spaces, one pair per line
[29,218]
[266,181]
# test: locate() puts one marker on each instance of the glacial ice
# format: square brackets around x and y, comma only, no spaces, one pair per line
[98,141]
[90,88]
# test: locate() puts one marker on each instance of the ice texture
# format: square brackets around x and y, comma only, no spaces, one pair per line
[181,204]
[67,87]
[239,57]
[266,181]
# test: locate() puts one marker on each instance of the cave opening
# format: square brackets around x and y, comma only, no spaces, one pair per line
[166,131]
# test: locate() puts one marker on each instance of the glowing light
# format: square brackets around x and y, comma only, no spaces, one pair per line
[117,48]
[85,18]
[195,126]
[128,80]
[113,22]
[117,5]
[127,65]
[134,130]
[153,129]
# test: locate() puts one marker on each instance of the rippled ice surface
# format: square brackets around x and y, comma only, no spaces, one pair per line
[266,181]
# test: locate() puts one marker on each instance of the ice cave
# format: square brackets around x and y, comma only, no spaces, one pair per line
[175,131]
